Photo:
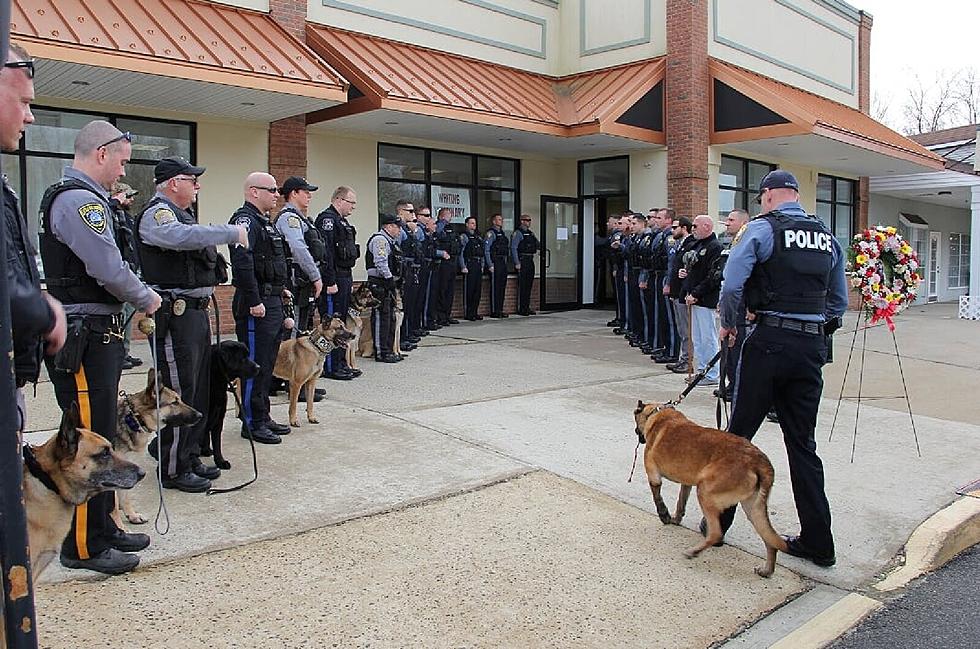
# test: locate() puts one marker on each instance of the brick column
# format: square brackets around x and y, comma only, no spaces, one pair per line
[287,137]
[687,117]
[291,16]
[864,104]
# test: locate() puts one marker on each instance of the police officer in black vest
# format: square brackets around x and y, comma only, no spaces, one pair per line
[448,243]
[181,261]
[523,248]
[496,250]
[427,256]
[81,250]
[383,260]
[790,270]
[471,263]
[259,274]
[341,254]
[306,249]
[408,241]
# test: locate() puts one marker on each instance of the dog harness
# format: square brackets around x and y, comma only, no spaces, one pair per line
[30,461]
[133,420]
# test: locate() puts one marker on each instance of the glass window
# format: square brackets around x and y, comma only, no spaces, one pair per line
[41,172]
[825,188]
[156,140]
[11,169]
[496,172]
[726,201]
[401,162]
[605,177]
[757,171]
[54,131]
[452,168]
[835,206]
[732,172]
[390,192]
[490,202]
[738,184]
[959,261]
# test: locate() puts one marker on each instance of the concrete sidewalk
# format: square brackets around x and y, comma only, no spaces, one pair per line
[455,501]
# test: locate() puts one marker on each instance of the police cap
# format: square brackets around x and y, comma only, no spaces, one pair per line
[296,183]
[168,168]
[777,179]
[388,219]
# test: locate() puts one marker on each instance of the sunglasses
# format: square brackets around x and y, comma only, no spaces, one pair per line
[192,179]
[271,190]
[405,209]
[26,66]
[525,220]
[122,136]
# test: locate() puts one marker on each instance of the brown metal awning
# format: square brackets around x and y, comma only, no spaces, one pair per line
[213,58]
[395,76]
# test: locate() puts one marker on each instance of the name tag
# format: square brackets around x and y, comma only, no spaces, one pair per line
[806,240]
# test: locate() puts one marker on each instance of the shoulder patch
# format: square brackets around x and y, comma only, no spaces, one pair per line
[243,220]
[328,224]
[293,222]
[93,214]
[164,215]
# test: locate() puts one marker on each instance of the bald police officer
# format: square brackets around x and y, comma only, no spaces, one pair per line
[180,260]
[85,270]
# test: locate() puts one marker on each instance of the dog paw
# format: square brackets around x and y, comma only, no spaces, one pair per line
[762,572]
[223,464]
[690,554]
[136,519]
[294,424]
[313,420]
[666,519]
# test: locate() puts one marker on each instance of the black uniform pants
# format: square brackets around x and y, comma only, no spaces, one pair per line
[338,303]
[734,352]
[447,289]
[648,331]
[473,287]
[262,337]
[663,315]
[182,344]
[635,307]
[783,368]
[619,290]
[525,280]
[383,320]
[498,285]
[422,303]
[303,299]
[95,388]
[410,296]
[433,294]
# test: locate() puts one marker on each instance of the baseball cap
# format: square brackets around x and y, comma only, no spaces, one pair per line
[167,168]
[777,179]
[123,188]
[294,183]
[388,219]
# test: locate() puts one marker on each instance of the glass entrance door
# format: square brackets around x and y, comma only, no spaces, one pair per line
[934,266]
[561,253]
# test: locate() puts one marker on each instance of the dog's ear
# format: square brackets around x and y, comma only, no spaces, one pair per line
[71,421]
[151,382]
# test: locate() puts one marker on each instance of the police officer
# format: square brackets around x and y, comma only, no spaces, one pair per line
[341,255]
[471,264]
[631,275]
[259,274]
[665,326]
[614,231]
[427,254]
[121,198]
[448,243]
[408,241]
[437,257]
[643,254]
[523,248]
[734,224]
[496,250]
[85,270]
[181,262]
[682,242]
[383,262]
[36,317]
[790,270]
[306,248]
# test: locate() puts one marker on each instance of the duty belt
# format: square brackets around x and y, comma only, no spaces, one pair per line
[803,326]
[179,305]
[265,290]
[103,326]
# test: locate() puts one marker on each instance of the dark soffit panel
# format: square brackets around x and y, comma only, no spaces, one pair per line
[734,111]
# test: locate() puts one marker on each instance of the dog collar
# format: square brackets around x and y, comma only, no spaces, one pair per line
[323,345]
[133,421]
[30,461]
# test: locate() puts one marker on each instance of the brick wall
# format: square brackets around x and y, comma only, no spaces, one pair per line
[687,106]
[864,104]
[287,148]
[291,15]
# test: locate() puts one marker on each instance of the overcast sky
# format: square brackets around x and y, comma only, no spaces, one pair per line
[919,38]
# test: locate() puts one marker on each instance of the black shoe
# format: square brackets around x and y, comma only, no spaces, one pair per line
[435,326]
[126,542]
[646,349]
[471,318]
[338,375]
[387,358]
[188,481]
[636,343]
[415,340]
[110,562]
[665,359]
[452,321]
[135,362]
[493,315]
[277,428]
[354,372]
[679,368]
[444,323]
[504,315]
[422,333]
[703,526]
[619,331]
[318,394]
[795,548]
[531,312]
[206,471]
[613,323]
[478,317]
[127,364]
[261,435]
[408,347]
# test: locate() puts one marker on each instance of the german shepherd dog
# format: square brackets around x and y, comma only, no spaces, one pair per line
[229,363]
[136,422]
[365,297]
[725,468]
[71,467]
[300,362]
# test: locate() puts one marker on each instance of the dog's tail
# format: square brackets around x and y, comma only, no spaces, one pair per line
[757,507]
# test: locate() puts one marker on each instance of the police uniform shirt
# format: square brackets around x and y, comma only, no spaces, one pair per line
[82,220]
[380,248]
[292,225]
[464,240]
[515,241]
[492,234]
[242,259]
[755,246]
[161,227]
[437,235]
[647,241]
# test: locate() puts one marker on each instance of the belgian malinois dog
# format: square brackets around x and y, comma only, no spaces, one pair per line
[365,297]
[300,362]
[725,468]
[71,467]
[136,423]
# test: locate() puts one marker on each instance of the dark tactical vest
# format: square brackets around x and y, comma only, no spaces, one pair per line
[474,247]
[428,248]
[410,247]
[499,249]
[269,254]
[28,354]
[528,245]
[178,268]
[796,278]
[395,256]
[315,244]
[659,256]
[644,251]
[64,272]
[448,241]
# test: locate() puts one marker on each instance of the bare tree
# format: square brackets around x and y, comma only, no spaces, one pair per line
[881,108]
[967,96]
[953,98]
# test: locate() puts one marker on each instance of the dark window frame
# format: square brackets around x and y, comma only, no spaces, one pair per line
[834,203]
[581,176]
[744,195]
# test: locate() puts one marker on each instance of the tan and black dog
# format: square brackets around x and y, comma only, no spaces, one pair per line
[365,297]
[71,467]
[725,468]
[300,362]
[136,423]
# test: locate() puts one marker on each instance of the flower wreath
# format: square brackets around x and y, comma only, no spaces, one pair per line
[883,269]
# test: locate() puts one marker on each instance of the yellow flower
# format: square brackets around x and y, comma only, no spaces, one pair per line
[906,249]
[861,259]
[876,287]
[890,230]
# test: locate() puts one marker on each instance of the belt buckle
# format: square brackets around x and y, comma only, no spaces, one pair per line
[109,335]
[179,306]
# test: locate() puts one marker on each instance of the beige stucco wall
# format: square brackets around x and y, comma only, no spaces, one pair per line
[257,5]
[230,151]
[648,179]
[599,34]
[800,42]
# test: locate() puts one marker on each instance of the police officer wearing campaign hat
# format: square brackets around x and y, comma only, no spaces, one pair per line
[496,250]
[790,270]
[523,248]
[306,248]
[259,274]
[82,251]
[180,260]
[383,260]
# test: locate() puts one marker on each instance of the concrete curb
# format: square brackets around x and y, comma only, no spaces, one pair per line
[940,538]
[830,624]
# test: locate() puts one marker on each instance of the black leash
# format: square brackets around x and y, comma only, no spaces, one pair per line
[238,403]
[721,406]
[697,378]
